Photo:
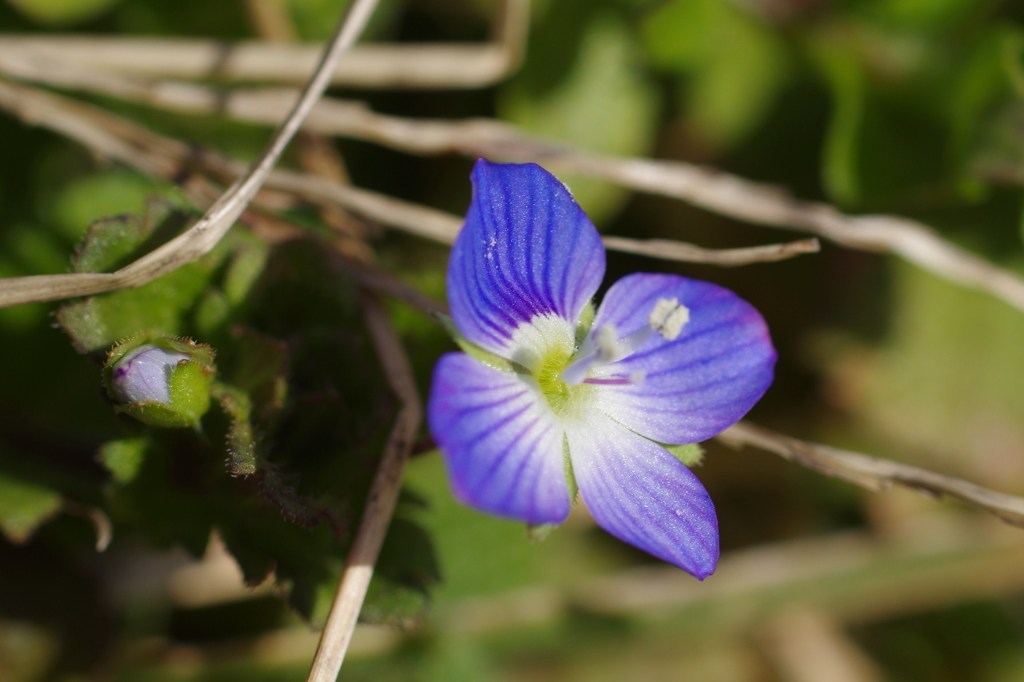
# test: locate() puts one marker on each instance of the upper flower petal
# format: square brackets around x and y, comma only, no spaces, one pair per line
[504,451]
[637,491]
[698,384]
[527,249]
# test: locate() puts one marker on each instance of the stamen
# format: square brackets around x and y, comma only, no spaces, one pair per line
[577,371]
[608,347]
[668,318]
[633,379]
[609,381]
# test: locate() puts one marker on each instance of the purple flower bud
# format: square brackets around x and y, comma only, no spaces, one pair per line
[144,375]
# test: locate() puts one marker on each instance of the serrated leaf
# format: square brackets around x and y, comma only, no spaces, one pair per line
[160,307]
[24,506]
[108,242]
[174,493]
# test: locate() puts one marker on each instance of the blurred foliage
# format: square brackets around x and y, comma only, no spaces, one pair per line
[908,106]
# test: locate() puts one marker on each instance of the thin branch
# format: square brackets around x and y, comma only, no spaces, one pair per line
[715,191]
[669,249]
[874,473]
[124,141]
[369,66]
[202,236]
[380,505]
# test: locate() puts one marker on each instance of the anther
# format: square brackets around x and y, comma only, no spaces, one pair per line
[668,318]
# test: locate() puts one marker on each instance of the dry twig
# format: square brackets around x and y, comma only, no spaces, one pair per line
[721,193]
[114,137]
[380,504]
[202,236]
[874,473]
[369,66]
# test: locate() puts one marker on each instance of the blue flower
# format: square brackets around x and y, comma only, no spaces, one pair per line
[552,396]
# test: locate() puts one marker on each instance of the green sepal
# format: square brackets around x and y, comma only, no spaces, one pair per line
[584,324]
[570,475]
[538,532]
[241,442]
[690,454]
[474,351]
[188,384]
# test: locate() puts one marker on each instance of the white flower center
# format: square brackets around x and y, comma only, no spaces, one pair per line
[545,347]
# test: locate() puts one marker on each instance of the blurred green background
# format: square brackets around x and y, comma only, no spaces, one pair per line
[908,107]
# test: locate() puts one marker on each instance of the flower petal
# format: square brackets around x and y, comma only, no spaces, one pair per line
[698,384]
[527,249]
[503,448]
[637,491]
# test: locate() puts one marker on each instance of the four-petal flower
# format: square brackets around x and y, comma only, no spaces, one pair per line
[552,395]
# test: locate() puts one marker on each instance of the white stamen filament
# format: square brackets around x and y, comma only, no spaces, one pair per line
[667,318]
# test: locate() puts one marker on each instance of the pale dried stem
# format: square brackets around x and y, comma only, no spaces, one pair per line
[119,139]
[670,249]
[380,505]
[807,645]
[715,191]
[368,66]
[203,235]
[874,473]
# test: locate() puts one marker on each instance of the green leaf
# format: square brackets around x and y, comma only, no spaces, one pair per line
[24,507]
[842,143]
[124,457]
[108,242]
[406,570]
[162,306]
[919,16]
[77,202]
[59,12]
[733,65]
